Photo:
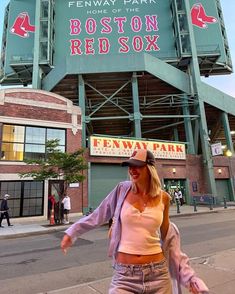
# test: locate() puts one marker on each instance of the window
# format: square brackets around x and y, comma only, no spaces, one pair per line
[26,142]
[26,197]
[12,143]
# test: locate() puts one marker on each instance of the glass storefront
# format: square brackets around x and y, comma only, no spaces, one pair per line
[26,197]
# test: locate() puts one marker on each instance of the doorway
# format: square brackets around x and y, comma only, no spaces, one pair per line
[171,185]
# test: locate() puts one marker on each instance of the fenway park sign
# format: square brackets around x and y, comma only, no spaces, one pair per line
[105,146]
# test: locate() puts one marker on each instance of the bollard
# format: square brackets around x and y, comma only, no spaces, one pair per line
[225,204]
[211,204]
[194,205]
[52,216]
[178,205]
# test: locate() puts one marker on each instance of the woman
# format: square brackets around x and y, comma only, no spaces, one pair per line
[140,212]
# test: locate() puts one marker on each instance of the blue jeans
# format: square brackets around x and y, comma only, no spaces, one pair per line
[152,278]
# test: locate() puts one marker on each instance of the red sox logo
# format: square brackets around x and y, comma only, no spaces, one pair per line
[22,26]
[200,18]
[134,154]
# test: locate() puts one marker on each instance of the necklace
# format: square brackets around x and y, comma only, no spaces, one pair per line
[142,199]
[145,202]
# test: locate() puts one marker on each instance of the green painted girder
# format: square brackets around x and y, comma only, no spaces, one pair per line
[217,98]
[167,73]
[55,76]
[168,126]
[131,63]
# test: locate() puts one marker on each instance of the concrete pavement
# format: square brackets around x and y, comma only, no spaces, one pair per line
[38,225]
[217,270]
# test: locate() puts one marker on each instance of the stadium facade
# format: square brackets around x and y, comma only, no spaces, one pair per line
[132,69]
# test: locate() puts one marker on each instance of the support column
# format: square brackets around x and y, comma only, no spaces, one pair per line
[188,127]
[225,122]
[196,90]
[136,106]
[229,142]
[231,179]
[82,104]
[196,135]
[206,150]
[188,200]
[37,72]
[176,134]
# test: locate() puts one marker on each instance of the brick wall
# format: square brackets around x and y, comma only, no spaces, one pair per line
[40,108]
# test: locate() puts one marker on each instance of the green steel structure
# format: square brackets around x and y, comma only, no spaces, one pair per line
[133,66]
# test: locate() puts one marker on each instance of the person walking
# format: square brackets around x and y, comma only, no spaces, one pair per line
[66,207]
[180,195]
[139,209]
[176,196]
[4,211]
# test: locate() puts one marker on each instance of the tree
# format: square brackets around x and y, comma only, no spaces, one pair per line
[67,167]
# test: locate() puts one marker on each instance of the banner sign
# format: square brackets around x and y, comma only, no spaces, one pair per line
[94,28]
[216,149]
[97,27]
[115,147]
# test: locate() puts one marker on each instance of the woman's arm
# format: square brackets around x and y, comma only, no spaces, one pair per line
[99,216]
[166,221]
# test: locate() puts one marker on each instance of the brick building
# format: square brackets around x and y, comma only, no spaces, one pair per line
[28,118]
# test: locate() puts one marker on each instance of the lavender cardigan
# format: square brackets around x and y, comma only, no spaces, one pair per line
[110,207]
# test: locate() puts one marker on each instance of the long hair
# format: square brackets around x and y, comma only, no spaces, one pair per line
[154,184]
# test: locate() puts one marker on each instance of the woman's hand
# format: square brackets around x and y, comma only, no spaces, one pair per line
[194,289]
[66,243]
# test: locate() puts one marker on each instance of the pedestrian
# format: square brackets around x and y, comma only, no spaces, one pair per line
[4,211]
[176,196]
[139,209]
[180,196]
[66,206]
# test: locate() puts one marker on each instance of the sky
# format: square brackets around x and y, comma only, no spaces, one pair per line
[225,83]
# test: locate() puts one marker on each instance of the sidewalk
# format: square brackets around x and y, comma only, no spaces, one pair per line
[217,270]
[37,225]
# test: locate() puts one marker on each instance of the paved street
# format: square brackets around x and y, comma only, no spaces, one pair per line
[34,264]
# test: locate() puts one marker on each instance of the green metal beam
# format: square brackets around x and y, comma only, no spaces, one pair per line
[89,118]
[82,104]
[172,116]
[37,74]
[108,99]
[196,86]
[167,73]
[217,98]
[188,127]
[165,127]
[55,76]
[196,135]
[225,122]
[176,134]
[132,63]
[136,106]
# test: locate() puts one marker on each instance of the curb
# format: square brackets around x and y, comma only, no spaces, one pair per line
[61,228]
[34,233]
[193,213]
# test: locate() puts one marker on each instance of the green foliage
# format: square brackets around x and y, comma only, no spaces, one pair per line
[58,165]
